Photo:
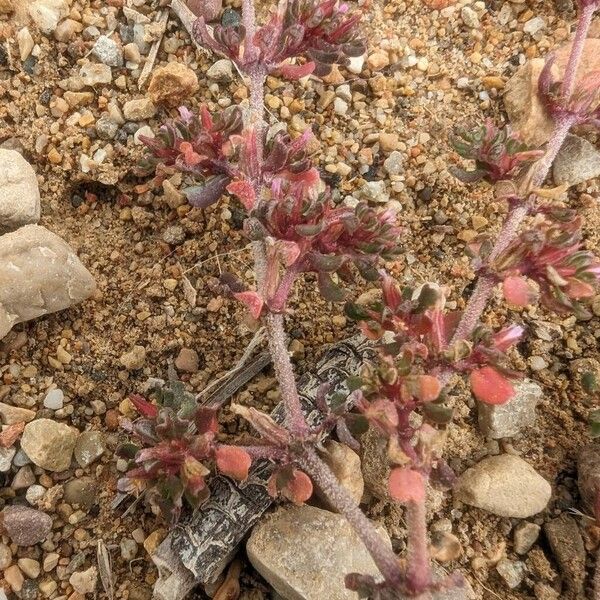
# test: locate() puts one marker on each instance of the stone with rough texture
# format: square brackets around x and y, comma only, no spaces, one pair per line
[47,13]
[25,526]
[139,109]
[172,84]
[525,110]
[19,192]
[525,536]
[39,274]
[588,476]
[84,582]
[89,447]
[49,444]
[507,420]
[577,161]
[567,545]
[304,552]
[375,465]
[15,414]
[504,485]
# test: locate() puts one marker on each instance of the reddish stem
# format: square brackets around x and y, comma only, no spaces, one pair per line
[419,576]
[583,25]
[382,554]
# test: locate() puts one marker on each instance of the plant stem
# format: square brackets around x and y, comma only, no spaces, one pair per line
[382,554]
[418,576]
[284,371]
[583,25]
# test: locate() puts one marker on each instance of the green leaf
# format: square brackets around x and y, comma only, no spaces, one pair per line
[354,383]
[438,413]
[329,290]
[589,382]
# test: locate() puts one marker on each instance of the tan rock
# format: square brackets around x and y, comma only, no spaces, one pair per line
[39,274]
[49,444]
[6,6]
[173,84]
[345,464]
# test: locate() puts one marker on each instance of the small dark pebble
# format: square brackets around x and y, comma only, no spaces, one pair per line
[76,200]
[29,64]
[45,96]
[126,33]
[29,591]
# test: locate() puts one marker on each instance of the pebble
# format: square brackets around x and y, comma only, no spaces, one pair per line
[221,70]
[469,17]
[374,463]
[34,494]
[46,276]
[393,164]
[106,128]
[511,571]
[303,552]
[5,556]
[374,191]
[15,414]
[537,363]
[173,84]
[81,491]
[89,447]
[129,549]
[577,161]
[356,64]
[25,42]
[14,578]
[534,25]
[174,235]
[46,14]
[19,192]
[507,420]
[525,536]
[588,475]
[340,107]
[388,142]
[23,479]
[139,109]
[54,399]
[84,582]
[504,485]
[95,74]
[187,360]
[30,567]
[567,546]
[49,444]
[66,30]
[6,456]
[25,526]
[108,52]
[134,359]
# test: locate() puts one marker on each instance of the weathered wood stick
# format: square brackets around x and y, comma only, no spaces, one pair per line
[199,548]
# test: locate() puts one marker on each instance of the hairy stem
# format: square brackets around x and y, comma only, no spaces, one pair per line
[419,576]
[338,497]
[583,25]
[284,371]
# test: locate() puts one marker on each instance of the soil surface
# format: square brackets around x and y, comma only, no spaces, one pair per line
[145,255]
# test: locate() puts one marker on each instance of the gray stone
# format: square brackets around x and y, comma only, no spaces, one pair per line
[577,161]
[139,109]
[107,51]
[6,456]
[393,163]
[106,128]
[511,571]
[534,25]
[54,399]
[525,536]
[81,491]
[375,465]
[49,444]
[469,17]
[89,447]
[19,192]
[221,70]
[504,485]
[39,274]
[588,475]
[568,548]
[507,420]
[15,414]
[374,191]
[25,526]
[304,552]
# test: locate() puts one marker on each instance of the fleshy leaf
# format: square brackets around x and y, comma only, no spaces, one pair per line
[233,462]
[202,196]
[244,192]
[517,291]
[253,302]
[297,71]
[407,485]
[490,386]
[145,408]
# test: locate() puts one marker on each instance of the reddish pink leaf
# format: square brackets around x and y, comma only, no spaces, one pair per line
[244,192]
[206,420]
[382,413]
[490,386]
[297,71]
[11,434]
[579,289]
[288,251]
[507,337]
[233,462]
[253,302]
[391,293]
[517,291]
[429,388]
[406,485]
[144,407]
[299,487]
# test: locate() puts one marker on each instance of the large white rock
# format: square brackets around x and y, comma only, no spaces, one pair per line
[46,14]
[504,485]
[49,444]
[19,192]
[39,274]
